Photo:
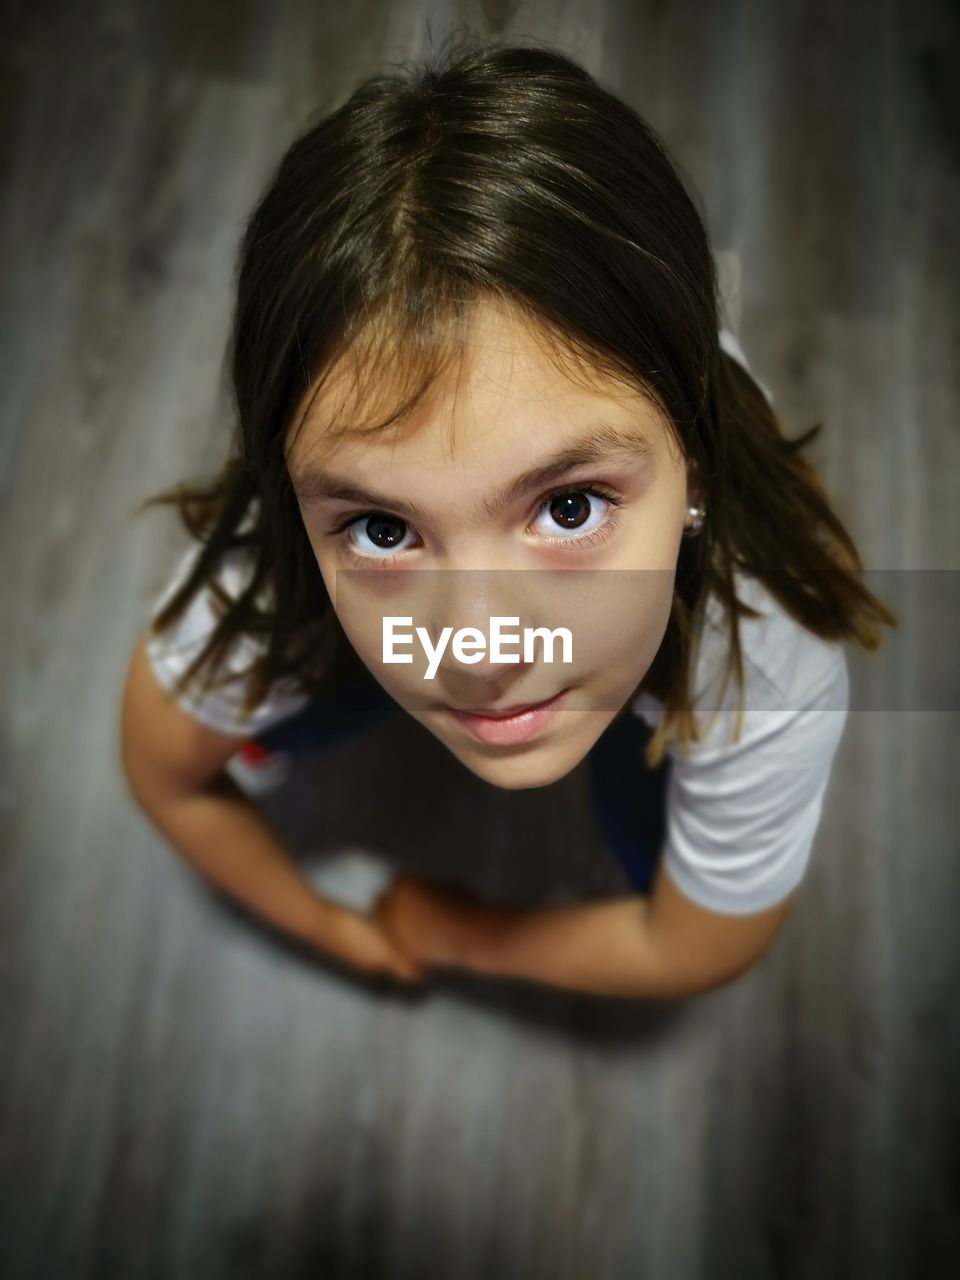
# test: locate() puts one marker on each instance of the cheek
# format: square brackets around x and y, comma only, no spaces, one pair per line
[348,615]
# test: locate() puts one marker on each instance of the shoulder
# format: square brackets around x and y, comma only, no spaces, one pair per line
[786,668]
[232,573]
[172,650]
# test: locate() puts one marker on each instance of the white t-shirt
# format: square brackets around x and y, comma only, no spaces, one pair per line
[740,817]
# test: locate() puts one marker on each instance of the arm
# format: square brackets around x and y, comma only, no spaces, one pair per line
[666,945]
[761,797]
[223,834]
[173,766]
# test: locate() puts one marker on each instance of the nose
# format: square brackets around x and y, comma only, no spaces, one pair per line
[470,598]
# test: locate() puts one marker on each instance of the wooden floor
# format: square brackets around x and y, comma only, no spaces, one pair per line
[184,1095]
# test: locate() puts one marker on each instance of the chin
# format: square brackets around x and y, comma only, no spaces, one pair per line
[520,771]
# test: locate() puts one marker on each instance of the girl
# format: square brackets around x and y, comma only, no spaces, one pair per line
[477,329]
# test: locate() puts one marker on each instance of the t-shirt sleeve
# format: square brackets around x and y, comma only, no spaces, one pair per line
[171,651]
[741,817]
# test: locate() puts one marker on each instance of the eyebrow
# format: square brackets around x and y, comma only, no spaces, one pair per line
[605,443]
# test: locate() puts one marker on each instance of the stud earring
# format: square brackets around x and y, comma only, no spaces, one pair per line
[695,522]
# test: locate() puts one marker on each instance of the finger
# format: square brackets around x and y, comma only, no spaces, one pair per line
[410,971]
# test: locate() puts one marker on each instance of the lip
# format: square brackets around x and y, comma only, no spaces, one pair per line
[512,726]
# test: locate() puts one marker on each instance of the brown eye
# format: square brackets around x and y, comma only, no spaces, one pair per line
[383,531]
[588,513]
[570,510]
[376,532]
[573,510]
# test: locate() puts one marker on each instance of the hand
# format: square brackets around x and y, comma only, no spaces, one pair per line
[431,924]
[363,943]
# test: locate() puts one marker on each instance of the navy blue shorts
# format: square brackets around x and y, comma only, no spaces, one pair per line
[628,798]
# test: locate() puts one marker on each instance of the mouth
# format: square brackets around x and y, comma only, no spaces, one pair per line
[510,724]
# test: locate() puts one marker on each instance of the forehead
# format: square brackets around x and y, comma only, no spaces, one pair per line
[510,381]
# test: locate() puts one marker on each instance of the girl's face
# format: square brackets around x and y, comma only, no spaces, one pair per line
[443,535]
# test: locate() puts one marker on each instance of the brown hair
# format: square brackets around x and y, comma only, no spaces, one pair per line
[441,185]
